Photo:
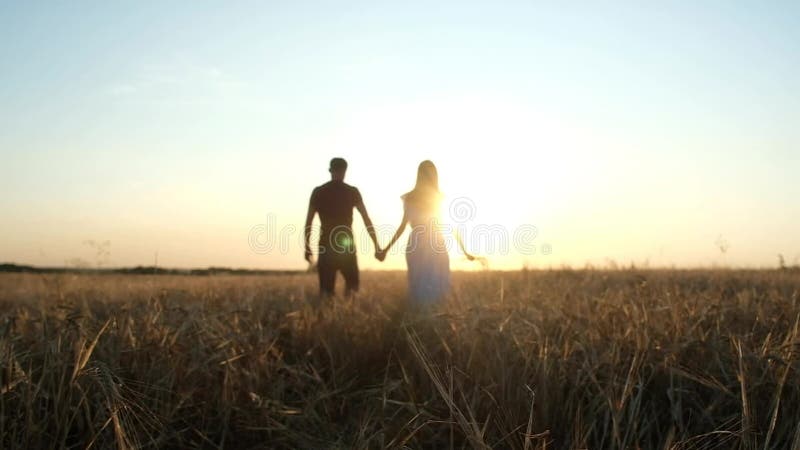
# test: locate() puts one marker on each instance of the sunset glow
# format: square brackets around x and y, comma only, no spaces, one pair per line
[622,134]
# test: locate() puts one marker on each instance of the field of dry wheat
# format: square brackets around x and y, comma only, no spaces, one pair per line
[558,359]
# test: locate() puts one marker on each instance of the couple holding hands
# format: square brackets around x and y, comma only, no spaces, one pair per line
[426,253]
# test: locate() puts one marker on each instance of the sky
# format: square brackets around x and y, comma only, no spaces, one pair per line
[190,134]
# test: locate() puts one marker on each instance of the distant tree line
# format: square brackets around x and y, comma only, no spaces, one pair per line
[143,270]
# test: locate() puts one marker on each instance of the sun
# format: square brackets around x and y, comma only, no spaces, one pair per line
[499,162]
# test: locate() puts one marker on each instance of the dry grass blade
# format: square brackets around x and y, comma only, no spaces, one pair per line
[470,429]
[11,372]
[85,353]
[778,392]
[529,430]
[747,419]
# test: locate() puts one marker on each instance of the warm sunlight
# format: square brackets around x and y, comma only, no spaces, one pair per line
[407,224]
[612,149]
[501,165]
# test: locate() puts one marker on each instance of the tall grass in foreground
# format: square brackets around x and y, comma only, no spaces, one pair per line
[524,360]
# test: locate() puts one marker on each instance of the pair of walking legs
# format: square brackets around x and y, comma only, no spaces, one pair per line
[332,262]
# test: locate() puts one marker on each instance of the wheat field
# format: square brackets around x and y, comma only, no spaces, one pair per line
[561,359]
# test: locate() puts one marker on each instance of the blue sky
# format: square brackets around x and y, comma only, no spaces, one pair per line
[624,131]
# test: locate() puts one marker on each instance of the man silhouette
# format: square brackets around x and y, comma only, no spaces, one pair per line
[334,202]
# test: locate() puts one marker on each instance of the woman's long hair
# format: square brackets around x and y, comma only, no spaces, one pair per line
[426,193]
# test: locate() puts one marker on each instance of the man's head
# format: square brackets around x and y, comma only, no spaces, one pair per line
[337,169]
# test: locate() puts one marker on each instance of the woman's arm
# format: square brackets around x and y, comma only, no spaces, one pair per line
[397,234]
[461,244]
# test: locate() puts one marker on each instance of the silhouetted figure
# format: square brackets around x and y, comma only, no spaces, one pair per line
[426,253]
[334,202]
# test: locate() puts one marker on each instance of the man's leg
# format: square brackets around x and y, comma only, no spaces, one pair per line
[350,272]
[326,269]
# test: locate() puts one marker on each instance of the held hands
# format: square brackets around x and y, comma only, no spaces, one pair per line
[380,254]
[309,257]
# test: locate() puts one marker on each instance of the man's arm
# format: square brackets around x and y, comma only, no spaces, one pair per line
[312,210]
[367,222]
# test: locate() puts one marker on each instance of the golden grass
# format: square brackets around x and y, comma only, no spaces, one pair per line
[529,360]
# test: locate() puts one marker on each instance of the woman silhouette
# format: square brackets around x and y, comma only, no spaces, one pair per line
[426,253]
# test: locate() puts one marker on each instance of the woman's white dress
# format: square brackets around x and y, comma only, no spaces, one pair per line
[426,256]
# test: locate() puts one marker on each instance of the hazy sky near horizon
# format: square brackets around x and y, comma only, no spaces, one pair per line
[624,131]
